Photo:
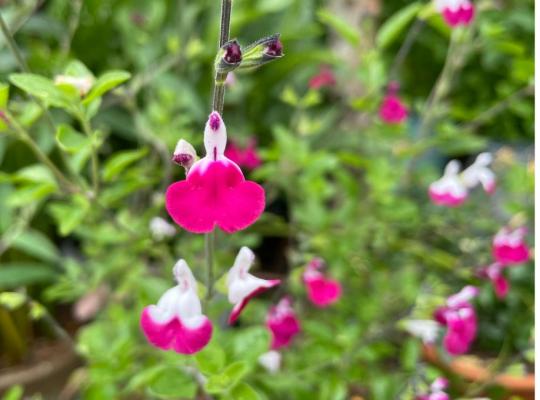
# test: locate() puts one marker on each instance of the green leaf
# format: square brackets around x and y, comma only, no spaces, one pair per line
[211,360]
[35,173]
[70,140]
[349,33]
[17,274]
[69,215]
[4,95]
[172,384]
[12,300]
[243,391]
[120,161]
[396,24]
[106,82]
[30,193]
[36,244]
[14,393]
[231,375]
[42,88]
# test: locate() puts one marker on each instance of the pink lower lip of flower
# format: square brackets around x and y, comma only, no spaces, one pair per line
[238,308]
[461,16]
[322,291]
[175,335]
[506,254]
[324,78]
[283,331]
[446,198]
[455,344]
[392,110]
[215,195]
[247,157]
[501,286]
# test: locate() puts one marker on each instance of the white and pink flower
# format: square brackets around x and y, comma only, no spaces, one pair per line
[495,273]
[215,192]
[509,246]
[459,317]
[271,361]
[456,12]
[242,286]
[282,323]
[437,391]
[322,291]
[176,322]
[449,190]
[479,173]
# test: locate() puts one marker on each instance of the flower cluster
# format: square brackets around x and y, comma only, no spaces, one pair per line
[453,188]
[459,318]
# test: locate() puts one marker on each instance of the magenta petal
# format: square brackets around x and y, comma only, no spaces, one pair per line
[283,331]
[237,309]
[174,335]
[506,254]
[215,194]
[501,286]
[446,199]
[392,110]
[322,292]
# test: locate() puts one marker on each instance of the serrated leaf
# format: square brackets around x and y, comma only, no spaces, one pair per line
[173,384]
[70,140]
[42,88]
[396,24]
[349,33]
[120,161]
[17,274]
[36,244]
[106,82]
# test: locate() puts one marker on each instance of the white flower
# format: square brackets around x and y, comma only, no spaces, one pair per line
[271,361]
[425,329]
[161,229]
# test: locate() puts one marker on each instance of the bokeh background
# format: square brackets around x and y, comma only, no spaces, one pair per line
[76,270]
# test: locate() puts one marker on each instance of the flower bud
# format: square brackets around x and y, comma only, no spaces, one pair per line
[262,51]
[184,154]
[229,57]
[82,83]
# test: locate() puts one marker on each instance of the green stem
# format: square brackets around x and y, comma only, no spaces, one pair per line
[25,137]
[95,161]
[209,243]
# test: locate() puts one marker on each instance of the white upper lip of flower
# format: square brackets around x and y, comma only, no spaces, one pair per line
[239,281]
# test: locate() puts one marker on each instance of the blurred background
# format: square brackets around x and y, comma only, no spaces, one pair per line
[77,265]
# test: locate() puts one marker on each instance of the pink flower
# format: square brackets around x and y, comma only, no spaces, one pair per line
[282,323]
[449,190]
[324,78]
[509,246]
[176,322]
[215,191]
[459,317]
[392,110]
[246,157]
[455,12]
[437,391]
[242,286]
[495,273]
[321,291]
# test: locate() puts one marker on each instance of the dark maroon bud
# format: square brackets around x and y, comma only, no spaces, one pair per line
[233,53]
[274,48]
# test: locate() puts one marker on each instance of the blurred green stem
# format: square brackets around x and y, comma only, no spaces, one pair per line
[412,34]
[95,161]
[217,105]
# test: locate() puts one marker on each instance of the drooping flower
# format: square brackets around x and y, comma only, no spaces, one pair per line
[184,154]
[242,286]
[449,190]
[322,291]
[495,273]
[509,246]
[459,317]
[437,391]
[246,157]
[215,192]
[161,229]
[324,78]
[425,329]
[392,109]
[456,12]
[271,361]
[479,173]
[282,323]
[176,322]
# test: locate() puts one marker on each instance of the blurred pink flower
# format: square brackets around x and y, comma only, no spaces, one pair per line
[449,190]
[459,317]
[322,291]
[215,191]
[282,323]
[437,391]
[176,322]
[495,273]
[509,246]
[324,78]
[456,12]
[245,157]
[242,286]
[392,109]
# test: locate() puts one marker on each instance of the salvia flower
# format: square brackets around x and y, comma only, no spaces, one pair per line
[509,246]
[456,12]
[449,190]
[229,57]
[324,78]
[453,188]
[495,273]
[82,83]
[184,155]
[322,291]
[282,323]
[271,361]
[215,192]
[246,157]
[161,229]
[425,329]
[459,317]
[437,391]
[392,109]
[242,286]
[176,322]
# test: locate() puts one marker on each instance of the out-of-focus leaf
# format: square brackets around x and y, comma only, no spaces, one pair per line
[106,82]
[14,393]
[243,391]
[120,161]
[211,359]
[42,88]
[30,193]
[17,274]
[69,215]
[173,384]
[70,140]
[229,377]
[349,33]
[396,24]
[36,244]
